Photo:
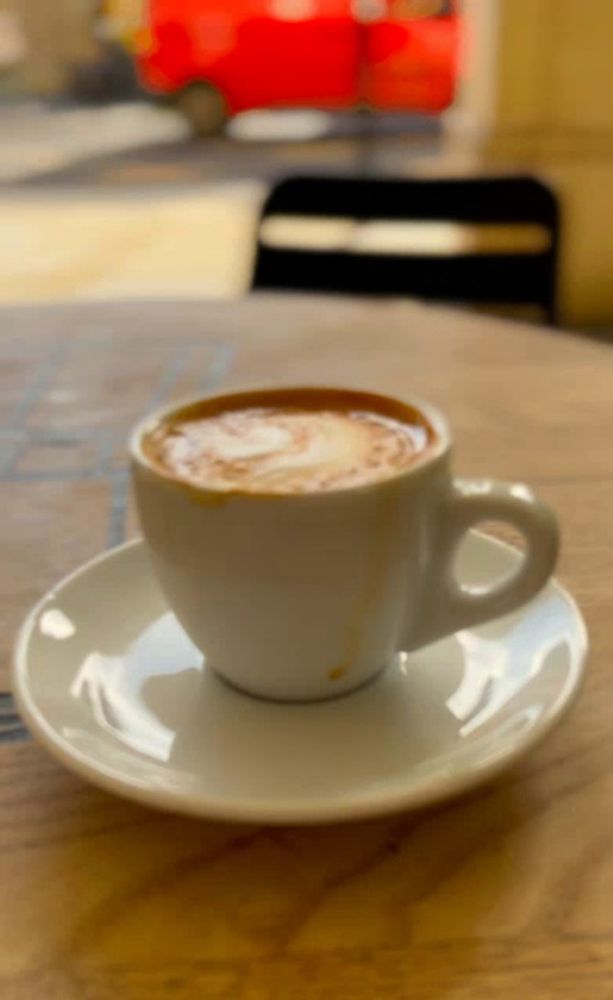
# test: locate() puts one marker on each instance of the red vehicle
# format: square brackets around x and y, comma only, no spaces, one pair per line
[219,57]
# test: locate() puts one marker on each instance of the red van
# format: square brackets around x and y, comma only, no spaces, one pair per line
[219,57]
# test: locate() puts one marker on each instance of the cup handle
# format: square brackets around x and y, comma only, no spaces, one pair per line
[447,605]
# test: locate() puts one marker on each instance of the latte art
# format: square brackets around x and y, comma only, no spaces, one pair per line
[286,449]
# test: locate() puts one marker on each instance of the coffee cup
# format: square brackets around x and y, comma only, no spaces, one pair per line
[304,586]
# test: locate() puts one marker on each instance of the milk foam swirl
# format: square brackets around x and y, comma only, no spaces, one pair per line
[287,450]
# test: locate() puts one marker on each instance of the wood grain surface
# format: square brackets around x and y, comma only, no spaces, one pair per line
[507,893]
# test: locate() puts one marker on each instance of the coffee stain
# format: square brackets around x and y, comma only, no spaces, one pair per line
[377,557]
[337,673]
[206,498]
[196,494]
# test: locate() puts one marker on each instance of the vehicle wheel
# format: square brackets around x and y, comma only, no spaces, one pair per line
[204,107]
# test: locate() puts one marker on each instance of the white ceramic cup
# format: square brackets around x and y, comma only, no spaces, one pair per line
[306,596]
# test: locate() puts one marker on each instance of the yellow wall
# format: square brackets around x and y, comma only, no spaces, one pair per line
[58,34]
[539,97]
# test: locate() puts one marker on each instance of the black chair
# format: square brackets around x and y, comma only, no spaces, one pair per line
[516,220]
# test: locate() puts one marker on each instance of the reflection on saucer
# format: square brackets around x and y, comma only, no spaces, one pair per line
[496,670]
[113,686]
[56,624]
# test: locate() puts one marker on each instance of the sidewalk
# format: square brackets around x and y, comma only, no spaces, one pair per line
[119,202]
[87,245]
[101,239]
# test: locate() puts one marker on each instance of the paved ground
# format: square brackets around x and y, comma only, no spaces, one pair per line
[120,202]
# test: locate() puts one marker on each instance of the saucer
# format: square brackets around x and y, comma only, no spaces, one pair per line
[108,681]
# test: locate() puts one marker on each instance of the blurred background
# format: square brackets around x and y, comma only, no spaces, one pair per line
[141,138]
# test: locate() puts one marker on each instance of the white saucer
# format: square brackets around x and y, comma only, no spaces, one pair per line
[110,684]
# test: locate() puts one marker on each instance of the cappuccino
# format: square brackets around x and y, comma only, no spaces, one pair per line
[289,442]
[302,537]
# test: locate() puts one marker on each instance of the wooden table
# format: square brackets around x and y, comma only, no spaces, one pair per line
[507,893]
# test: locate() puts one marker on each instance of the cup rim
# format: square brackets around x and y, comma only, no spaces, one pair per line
[441,446]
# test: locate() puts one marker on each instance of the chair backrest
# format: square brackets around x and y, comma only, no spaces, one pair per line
[489,240]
